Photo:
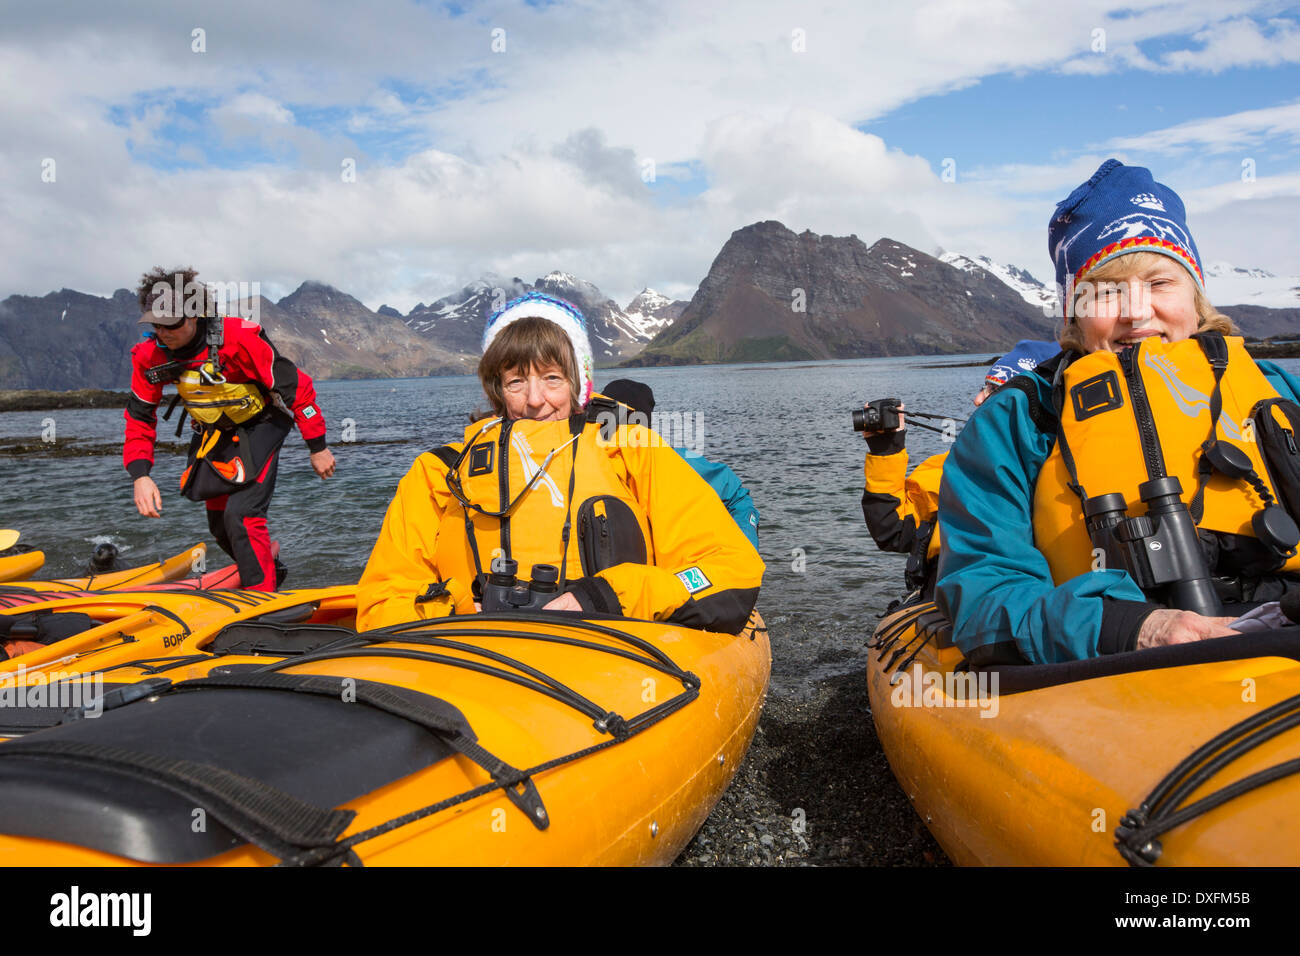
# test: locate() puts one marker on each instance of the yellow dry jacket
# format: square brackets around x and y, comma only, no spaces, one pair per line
[1152,401]
[919,497]
[698,569]
[225,403]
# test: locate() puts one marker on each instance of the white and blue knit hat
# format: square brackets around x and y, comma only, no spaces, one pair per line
[1121,209]
[563,314]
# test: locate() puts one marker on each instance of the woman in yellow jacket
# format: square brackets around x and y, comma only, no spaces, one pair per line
[901,509]
[557,476]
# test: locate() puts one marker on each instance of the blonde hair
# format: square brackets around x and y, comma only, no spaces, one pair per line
[1121,267]
[524,344]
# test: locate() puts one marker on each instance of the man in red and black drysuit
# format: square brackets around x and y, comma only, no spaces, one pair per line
[229,384]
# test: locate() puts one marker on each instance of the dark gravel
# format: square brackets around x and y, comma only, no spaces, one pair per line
[817,753]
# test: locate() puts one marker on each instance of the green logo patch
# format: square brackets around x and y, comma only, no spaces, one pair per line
[694,580]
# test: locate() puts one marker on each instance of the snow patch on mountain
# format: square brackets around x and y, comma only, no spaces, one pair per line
[1226,284]
[650,312]
[1025,285]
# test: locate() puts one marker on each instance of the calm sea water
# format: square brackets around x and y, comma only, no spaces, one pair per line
[784,428]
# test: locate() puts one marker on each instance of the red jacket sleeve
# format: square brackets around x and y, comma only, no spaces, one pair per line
[142,410]
[280,376]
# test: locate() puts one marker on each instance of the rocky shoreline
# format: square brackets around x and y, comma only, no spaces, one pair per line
[39,400]
[815,789]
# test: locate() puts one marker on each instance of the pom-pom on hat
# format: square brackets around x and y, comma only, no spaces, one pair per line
[1121,209]
[566,316]
[1027,354]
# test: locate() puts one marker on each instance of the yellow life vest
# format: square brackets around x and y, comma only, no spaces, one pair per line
[1160,394]
[209,403]
[922,488]
[498,461]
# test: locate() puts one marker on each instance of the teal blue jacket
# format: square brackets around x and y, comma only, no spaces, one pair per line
[994,585]
[729,488]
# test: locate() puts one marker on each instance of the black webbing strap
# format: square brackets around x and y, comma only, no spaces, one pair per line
[457,734]
[447,455]
[568,519]
[271,819]
[171,407]
[1058,402]
[327,855]
[1135,837]
[1216,352]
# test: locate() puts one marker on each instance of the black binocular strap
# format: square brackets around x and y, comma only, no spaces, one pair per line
[568,519]
[1058,400]
[1216,352]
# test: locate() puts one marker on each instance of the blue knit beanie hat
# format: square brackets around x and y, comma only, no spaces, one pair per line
[563,314]
[1121,209]
[1027,355]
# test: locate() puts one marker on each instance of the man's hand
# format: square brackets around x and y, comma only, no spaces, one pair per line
[565,602]
[147,500]
[323,462]
[1181,627]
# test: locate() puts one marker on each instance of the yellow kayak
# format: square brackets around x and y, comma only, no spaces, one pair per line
[279,734]
[1086,763]
[180,565]
[17,567]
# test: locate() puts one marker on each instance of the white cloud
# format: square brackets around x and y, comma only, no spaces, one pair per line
[254,106]
[529,160]
[1239,43]
[1220,134]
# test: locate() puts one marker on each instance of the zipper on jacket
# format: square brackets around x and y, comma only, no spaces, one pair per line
[1155,459]
[503,475]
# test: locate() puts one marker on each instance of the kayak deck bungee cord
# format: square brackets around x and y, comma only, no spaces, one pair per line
[483,739]
[1079,763]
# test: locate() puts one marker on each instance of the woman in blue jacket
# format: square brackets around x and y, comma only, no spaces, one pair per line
[1017,575]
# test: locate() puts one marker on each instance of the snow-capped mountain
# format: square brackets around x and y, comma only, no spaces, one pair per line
[651,311]
[456,321]
[1026,286]
[612,335]
[1227,284]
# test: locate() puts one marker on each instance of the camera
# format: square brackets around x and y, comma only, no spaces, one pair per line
[1160,549]
[879,416]
[503,592]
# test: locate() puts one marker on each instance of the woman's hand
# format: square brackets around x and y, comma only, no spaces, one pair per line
[565,602]
[147,500]
[1181,627]
[902,424]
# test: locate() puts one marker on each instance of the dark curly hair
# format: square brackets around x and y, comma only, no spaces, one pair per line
[148,291]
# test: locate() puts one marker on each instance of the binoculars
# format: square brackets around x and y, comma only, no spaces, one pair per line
[502,591]
[1160,549]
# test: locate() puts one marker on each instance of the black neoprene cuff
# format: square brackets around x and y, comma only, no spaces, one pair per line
[138,468]
[886,443]
[317,444]
[595,594]
[1120,622]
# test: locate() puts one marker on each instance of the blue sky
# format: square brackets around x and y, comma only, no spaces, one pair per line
[517,137]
